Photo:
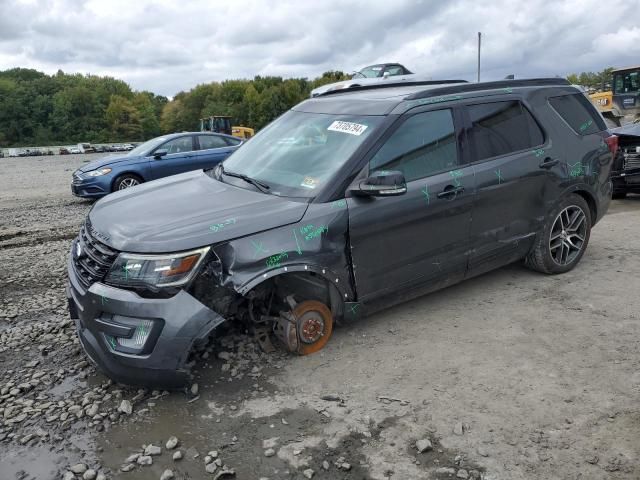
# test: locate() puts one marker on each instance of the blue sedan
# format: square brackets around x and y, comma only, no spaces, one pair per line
[156,158]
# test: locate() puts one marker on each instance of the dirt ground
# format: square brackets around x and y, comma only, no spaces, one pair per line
[512,375]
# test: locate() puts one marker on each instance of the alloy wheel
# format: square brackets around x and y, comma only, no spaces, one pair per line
[127,183]
[568,235]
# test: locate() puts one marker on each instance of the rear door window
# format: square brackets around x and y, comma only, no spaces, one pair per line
[579,113]
[178,145]
[423,145]
[500,128]
[211,141]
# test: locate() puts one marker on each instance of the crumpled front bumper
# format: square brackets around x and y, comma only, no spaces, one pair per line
[182,321]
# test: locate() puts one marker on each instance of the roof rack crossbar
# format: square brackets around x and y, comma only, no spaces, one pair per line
[390,85]
[474,87]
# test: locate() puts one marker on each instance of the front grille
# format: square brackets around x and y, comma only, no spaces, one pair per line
[95,259]
[631,158]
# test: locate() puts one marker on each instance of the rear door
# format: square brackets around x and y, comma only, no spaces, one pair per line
[518,175]
[179,157]
[212,149]
[420,238]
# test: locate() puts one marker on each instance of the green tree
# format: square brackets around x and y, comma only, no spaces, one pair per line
[123,119]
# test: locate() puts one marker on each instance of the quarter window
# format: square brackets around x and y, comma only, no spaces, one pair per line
[178,145]
[211,141]
[423,145]
[579,113]
[500,128]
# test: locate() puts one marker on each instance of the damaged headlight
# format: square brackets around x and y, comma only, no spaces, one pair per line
[168,270]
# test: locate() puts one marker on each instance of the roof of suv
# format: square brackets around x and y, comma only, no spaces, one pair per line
[382,99]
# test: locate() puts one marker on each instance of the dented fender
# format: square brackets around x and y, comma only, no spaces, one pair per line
[318,243]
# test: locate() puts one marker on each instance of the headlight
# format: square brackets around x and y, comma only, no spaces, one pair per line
[168,270]
[98,172]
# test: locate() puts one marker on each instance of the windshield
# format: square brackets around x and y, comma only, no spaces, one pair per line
[146,146]
[299,153]
[371,72]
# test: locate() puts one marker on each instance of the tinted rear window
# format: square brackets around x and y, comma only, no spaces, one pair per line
[500,128]
[579,113]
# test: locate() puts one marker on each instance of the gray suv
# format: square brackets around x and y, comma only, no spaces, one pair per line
[348,203]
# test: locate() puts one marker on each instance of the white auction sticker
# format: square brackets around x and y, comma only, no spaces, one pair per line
[347,127]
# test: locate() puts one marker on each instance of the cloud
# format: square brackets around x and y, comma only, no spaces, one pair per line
[167,46]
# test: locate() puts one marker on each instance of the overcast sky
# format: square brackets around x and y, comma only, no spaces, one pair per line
[172,45]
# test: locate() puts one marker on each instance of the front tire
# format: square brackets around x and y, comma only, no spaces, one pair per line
[564,239]
[125,181]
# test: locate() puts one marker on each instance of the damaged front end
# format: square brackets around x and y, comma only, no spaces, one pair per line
[140,316]
[625,172]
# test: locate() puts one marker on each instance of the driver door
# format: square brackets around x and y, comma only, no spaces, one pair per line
[179,157]
[421,238]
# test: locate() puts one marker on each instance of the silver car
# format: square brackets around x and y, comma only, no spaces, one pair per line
[371,75]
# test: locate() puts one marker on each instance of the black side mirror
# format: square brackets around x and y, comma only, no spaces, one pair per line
[383,183]
[158,154]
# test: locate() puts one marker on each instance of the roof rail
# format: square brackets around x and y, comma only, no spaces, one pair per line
[389,85]
[473,87]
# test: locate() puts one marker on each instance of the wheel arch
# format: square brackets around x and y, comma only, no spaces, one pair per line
[126,172]
[338,290]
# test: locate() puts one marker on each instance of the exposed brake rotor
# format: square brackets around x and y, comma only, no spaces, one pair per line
[306,328]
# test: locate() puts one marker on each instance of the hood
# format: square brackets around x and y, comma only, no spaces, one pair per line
[631,129]
[104,161]
[186,211]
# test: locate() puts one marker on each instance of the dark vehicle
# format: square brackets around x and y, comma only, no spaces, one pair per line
[64,151]
[157,158]
[346,204]
[625,172]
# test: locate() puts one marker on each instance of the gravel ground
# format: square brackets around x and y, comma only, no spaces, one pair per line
[513,375]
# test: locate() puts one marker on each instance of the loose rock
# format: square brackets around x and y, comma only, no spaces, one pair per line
[308,473]
[125,407]
[424,445]
[172,443]
[166,475]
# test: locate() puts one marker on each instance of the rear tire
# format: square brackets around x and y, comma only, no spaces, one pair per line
[564,239]
[125,181]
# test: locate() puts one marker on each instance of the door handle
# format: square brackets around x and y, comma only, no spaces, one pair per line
[450,191]
[549,162]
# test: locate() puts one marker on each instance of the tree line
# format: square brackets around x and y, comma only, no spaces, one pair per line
[593,80]
[37,109]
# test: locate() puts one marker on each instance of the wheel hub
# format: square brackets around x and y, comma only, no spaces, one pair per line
[311,327]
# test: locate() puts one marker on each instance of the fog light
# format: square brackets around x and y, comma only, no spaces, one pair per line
[137,341]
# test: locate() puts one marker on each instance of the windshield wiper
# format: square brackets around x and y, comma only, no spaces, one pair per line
[263,187]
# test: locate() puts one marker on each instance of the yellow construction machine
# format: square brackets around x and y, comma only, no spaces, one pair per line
[621,104]
[222,124]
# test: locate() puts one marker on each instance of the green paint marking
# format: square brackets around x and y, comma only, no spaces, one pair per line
[298,249]
[354,308]
[275,260]
[456,174]
[586,125]
[342,203]
[425,192]
[125,267]
[499,175]
[508,90]
[576,169]
[103,300]
[539,152]
[219,226]
[259,248]
[112,342]
[310,231]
